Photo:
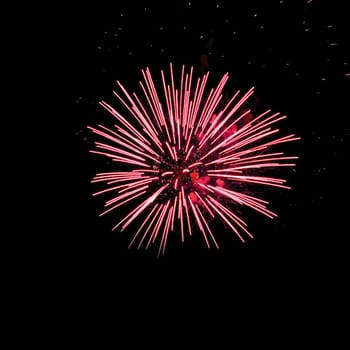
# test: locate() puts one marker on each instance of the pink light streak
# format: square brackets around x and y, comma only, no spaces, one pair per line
[184,154]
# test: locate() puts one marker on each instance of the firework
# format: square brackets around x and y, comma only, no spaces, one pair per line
[182,157]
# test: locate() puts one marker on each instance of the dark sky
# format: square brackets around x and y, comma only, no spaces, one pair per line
[296,54]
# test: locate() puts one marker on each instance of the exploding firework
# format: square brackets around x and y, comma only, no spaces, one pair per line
[182,157]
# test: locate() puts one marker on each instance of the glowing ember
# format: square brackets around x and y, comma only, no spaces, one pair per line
[183,159]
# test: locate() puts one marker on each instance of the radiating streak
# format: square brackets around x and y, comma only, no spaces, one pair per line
[157,226]
[222,215]
[154,96]
[194,106]
[263,146]
[159,223]
[212,102]
[184,203]
[237,165]
[235,122]
[150,225]
[117,150]
[243,139]
[164,238]
[204,204]
[168,106]
[123,121]
[222,112]
[198,219]
[252,129]
[196,164]
[167,173]
[239,222]
[120,159]
[130,184]
[120,175]
[143,224]
[187,139]
[178,122]
[139,209]
[122,203]
[253,179]
[264,165]
[146,119]
[124,195]
[247,128]
[189,152]
[134,111]
[173,155]
[138,183]
[150,130]
[125,187]
[173,215]
[189,115]
[142,171]
[207,227]
[246,141]
[151,106]
[213,129]
[180,217]
[174,103]
[115,138]
[205,187]
[236,159]
[244,199]
[122,141]
[138,142]
[181,96]
[171,114]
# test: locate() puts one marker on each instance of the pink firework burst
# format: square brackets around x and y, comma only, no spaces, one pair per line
[182,156]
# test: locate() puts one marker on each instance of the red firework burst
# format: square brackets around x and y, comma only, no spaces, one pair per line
[183,158]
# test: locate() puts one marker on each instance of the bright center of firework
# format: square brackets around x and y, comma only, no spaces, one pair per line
[180,169]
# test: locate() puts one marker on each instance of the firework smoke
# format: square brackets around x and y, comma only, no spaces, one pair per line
[181,158]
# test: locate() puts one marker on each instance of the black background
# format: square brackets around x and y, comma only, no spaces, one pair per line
[296,54]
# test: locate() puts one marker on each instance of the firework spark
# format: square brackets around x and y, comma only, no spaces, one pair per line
[183,155]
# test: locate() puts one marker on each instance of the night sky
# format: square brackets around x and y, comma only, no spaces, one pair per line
[296,54]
